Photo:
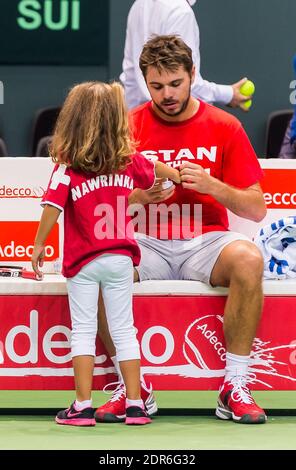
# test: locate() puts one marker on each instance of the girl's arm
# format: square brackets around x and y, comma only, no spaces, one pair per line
[49,218]
[164,171]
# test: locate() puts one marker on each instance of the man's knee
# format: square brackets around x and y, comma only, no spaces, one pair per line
[247,263]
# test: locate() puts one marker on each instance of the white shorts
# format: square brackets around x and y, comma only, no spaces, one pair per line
[182,259]
[114,275]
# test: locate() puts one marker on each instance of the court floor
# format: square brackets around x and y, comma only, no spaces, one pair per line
[186,421]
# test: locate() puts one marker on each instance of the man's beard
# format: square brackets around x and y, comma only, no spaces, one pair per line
[177,113]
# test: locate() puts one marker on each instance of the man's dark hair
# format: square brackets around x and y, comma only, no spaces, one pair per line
[166,53]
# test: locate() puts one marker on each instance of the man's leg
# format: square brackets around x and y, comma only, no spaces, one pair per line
[104,330]
[239,267]
[156,267]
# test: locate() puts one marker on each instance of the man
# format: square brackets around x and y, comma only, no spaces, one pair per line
[150,17]
[219,171]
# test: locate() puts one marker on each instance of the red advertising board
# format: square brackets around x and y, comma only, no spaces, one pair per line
[17,241]
[181,342]
[278,186]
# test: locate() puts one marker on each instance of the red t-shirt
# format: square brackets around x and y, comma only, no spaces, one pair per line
[211,138]
[95,211]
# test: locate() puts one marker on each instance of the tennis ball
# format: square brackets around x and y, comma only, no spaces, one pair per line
[248,88]
[247,104]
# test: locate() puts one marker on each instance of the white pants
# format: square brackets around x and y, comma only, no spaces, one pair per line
[114,275]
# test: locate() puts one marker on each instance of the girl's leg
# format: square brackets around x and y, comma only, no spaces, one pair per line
[83,298]
[117,288]
[131,376]
[83,373]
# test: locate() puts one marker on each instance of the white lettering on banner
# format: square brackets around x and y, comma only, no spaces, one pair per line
[48,371]
[201,348]
[208,334]
[169,344]
[59,177]
[278,199]
[15,192]
[19,251]
[49,344]
[32,333]
[293,353]
[169,155]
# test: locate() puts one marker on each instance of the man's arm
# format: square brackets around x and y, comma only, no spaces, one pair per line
[248,203]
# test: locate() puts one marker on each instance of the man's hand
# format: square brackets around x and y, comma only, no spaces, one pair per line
[194,177]
[238,99]
[155,194]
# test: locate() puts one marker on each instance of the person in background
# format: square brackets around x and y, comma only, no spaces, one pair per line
[162,17]
[288,148]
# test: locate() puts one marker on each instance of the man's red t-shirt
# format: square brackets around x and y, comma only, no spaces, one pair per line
[211,138]
[95,211]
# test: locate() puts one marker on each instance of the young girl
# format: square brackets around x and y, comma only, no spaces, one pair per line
[96,169]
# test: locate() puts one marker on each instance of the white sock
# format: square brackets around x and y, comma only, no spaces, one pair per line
[117,368]
[138,403]
[81,405]
[235,365]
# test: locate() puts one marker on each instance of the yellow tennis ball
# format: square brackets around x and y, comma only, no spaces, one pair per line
[248,88]
[247,104]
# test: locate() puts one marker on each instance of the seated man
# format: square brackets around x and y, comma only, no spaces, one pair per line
[288,148]
[219,171]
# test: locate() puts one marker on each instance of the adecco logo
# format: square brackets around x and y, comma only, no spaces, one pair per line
[17,238]
[279,188]
[204,344]
[20,192]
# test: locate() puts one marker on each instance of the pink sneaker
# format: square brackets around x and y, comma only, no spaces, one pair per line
[73,417]
[136,415]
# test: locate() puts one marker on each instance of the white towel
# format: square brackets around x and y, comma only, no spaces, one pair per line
[277,242]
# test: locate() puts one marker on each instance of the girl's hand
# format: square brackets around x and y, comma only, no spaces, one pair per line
[38,259]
